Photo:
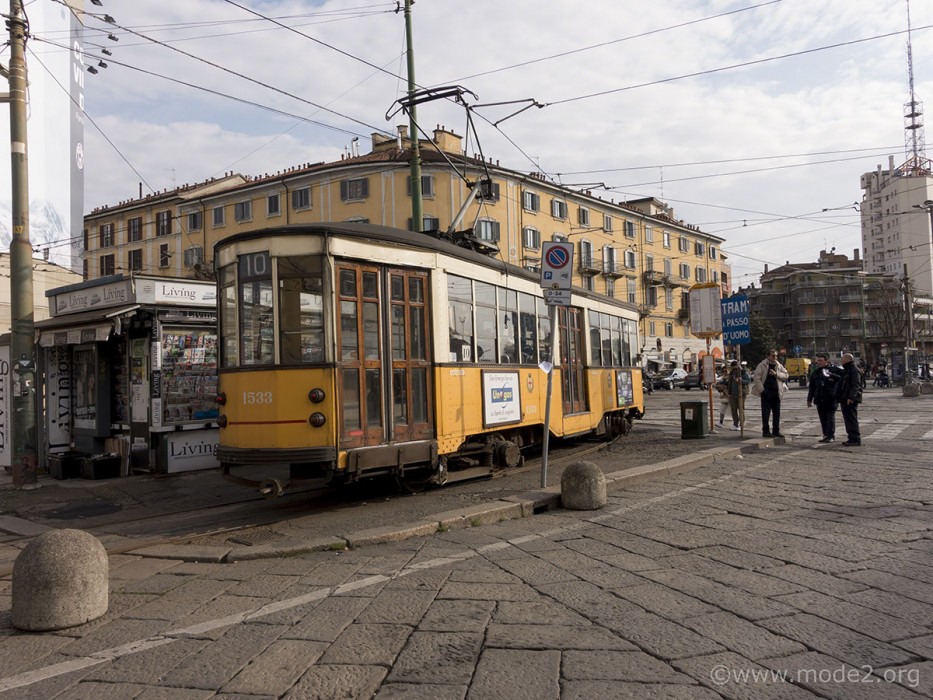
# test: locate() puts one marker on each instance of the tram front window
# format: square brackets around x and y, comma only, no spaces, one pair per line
[301,309]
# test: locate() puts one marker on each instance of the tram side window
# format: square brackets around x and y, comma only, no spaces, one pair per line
[544,330]
[605,337]
[528,328]
[460,318]
[301,309]
[629,341]
[508,325]
[616,327]
[595,350]
[486,326]
[229,335]
[256,319]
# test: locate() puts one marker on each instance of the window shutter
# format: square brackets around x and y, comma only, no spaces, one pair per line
[365,187]
[344,190]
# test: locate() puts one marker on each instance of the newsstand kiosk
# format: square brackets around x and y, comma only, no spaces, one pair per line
[129,377]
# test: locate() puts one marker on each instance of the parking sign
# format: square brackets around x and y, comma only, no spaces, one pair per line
[556,265]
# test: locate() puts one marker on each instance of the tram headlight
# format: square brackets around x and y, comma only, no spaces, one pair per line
[221,399]
[316,395]
[317,419]
[222,421]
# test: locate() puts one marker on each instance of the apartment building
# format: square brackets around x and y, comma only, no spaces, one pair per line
[45,276]
[635,250]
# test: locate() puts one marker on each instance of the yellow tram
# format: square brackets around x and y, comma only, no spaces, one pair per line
[354,350]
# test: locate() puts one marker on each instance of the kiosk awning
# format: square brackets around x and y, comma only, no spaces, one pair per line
[85,327]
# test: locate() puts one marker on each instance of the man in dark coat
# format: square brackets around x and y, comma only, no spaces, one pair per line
[822,391]
[849,393]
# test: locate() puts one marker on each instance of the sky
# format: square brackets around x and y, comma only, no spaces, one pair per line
[753,119]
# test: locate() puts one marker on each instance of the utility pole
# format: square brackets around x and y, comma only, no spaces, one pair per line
[909,306]
[417,216]
[22,349]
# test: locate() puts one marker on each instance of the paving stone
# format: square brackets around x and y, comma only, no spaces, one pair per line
[533,570]
[327,620]
[263,585]
[458,615]
[334,573]
[510,673]
[592,570]
[552,636]
[368,644]
[437,657]
[923,646]
[756,583]
[664,601]
[186,694]
[102,691]
[815,580]
[613,690]
[397,607]
[486,591]
[180,602]
[902,567]
[482,572]
[836,641]
[277,669]
[220,661]
[131,568]
[113,634]
[627,666]
[741,636]
[428,580]
[20,651]
[895,605]
[157,584]
[861,619]
[420,691]
[540,612]
[322,681]
[149,666]
[890,582]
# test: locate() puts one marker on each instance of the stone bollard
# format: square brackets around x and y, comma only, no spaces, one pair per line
[583,487]
[60,580]
[911,389]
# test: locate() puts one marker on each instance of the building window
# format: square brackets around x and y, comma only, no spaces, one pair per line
[586,255]
[558,237]
[107,265]
[583,216]
[274,205]
[428,223]
[243,211]
[195,220]
[607,223]
[351,190]
[106,235]
[667,239]
[701,274]
[630,259]
[301,199]
[684,271]
[558,209]
[712,252]
[531,238]
[163,223]
[588,284]
[668,267]
[651,296]
[649,263]
[669,329]
[531,201]
[649,234]
[134,229]
[218,216]
[651,328]
[630,229]
[669,299]
[699,249]
[136,260]
[716,276]
[631,291]
[427,185]
[358,220]
[610,287]
[609,259]
[487,230]
[164,255]
[683,244]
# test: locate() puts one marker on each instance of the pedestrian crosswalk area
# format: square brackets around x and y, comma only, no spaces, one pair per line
[871,429]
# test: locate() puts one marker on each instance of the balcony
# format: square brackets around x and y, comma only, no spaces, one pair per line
[613,269]
[646,309]
[810,300]
[653,277]
[589,265]
[683,314]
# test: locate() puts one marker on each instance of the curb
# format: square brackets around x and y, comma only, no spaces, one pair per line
[510,508]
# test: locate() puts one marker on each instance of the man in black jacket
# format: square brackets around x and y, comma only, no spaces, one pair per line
[822,390]
[849,393]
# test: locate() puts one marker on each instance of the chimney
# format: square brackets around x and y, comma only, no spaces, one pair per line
[855,255]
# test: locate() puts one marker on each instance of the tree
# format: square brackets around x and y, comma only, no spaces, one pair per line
[763,339]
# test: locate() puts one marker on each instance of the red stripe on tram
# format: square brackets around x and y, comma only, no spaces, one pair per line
[264,422]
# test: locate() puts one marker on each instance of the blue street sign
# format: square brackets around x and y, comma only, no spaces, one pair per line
[736,329]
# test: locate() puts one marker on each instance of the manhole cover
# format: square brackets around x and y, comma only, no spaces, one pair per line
[255,537]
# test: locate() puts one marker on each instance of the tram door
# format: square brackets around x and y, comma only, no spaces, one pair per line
[383,355]
[572,350]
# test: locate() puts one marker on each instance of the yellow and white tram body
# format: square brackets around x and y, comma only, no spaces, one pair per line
[355,350]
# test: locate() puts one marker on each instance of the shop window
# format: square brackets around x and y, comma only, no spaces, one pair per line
[189,375]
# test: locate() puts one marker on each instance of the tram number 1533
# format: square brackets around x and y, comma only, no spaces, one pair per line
[253,398]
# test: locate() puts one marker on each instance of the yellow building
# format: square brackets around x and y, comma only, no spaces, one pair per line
[634,250]
[45,276]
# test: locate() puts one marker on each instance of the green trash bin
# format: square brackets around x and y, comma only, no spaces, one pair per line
[694,419]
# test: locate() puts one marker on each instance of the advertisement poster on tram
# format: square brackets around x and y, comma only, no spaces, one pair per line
[625,393]
[501,398]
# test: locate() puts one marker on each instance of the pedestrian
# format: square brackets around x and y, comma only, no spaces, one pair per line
[770,379]
[822,391]
[723,390]
[736,385]
[849,394]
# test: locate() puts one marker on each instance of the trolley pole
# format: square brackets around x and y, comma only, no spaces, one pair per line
[22,350]
[417,216]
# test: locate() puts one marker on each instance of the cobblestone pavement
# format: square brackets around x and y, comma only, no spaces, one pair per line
[785,573]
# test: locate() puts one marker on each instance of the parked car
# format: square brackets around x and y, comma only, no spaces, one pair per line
[669,378]
[694,380]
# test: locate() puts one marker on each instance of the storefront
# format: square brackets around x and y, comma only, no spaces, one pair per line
[129,371]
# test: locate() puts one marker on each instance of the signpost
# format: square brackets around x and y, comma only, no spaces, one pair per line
[706,322]
[736,330]
[556,278]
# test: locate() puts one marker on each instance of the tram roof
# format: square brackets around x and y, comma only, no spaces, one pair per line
[407,238]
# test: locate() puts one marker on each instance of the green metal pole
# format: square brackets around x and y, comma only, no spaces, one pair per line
[417,217]
[22,350]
